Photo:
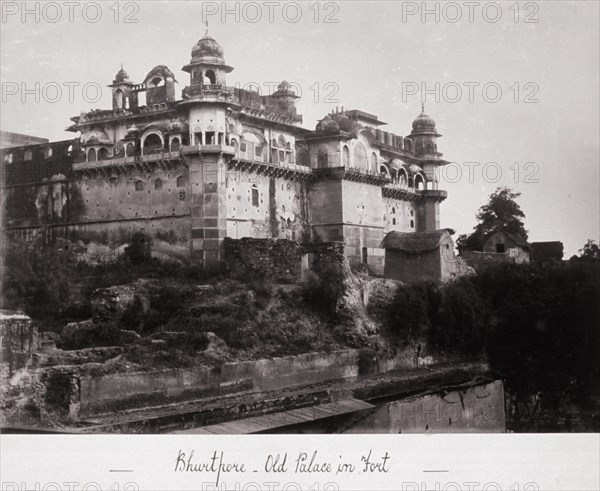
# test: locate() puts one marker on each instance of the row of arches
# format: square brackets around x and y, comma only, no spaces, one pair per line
[404,178]
[360,158]
[205,77]
[151,144]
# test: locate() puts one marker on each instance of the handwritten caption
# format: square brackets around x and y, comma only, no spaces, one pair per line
[216,465]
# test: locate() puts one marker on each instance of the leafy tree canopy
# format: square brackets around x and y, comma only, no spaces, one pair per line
[501,212]
[590,252]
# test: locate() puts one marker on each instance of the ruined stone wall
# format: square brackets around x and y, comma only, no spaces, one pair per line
[18,340]
[277,260]
[322,254]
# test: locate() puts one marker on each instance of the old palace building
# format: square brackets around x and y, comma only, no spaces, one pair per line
[219,162]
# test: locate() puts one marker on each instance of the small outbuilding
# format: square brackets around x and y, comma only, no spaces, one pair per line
[416,256]
[514,246]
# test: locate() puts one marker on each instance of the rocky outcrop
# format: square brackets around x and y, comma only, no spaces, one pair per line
[110,304]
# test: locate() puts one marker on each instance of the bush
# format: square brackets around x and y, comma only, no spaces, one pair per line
[322,290]
[139,250]
[36,281]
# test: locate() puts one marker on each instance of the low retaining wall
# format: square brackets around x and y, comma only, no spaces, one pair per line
[252,376]
[475,409]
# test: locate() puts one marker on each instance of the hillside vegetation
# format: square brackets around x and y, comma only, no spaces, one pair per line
[537,325]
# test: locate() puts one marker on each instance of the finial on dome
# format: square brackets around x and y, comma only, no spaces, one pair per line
[206,24]
[422,107]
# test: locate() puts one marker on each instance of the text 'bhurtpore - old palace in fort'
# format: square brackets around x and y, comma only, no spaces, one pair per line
[222,162]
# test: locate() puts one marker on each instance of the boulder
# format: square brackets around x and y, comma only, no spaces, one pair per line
[128,337]
[109,304]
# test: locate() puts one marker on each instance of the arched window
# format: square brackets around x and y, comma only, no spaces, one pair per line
[322,158]
[102,154]
[393,221]
[180,182]
[9,158]
[254,192]
[412,224]
[383,170]
[175,145]
[210,77]
[156,82]
[70,150]
[360,156]
[130,150]
[139,186]
[119,99]
[345,156]
[158,184]
[126,105]
[28,155]
[419,184]
[373,167]
[152,144]
[92,155]
[402,177]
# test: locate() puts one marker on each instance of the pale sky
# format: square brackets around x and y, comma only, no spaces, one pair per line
[371,59]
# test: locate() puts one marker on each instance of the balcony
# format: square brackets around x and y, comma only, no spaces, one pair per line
[353,174]
[401,190]
[208,92]
[146,162]
[207,149]
[248,161]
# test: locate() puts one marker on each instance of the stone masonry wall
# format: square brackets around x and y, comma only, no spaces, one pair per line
[280,260]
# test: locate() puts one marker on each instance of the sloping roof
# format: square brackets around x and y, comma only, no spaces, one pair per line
[415,242]
[516,239]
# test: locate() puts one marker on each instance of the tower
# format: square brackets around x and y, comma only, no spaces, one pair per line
[206,101]
[424,137]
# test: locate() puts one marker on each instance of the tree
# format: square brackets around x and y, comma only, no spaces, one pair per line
[500,213]
[590,252]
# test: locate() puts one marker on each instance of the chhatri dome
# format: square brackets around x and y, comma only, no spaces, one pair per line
[206,48]
[423,123]
[121,76]
[207,51]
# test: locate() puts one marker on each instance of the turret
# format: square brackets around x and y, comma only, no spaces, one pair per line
[207,66]
[123,95]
